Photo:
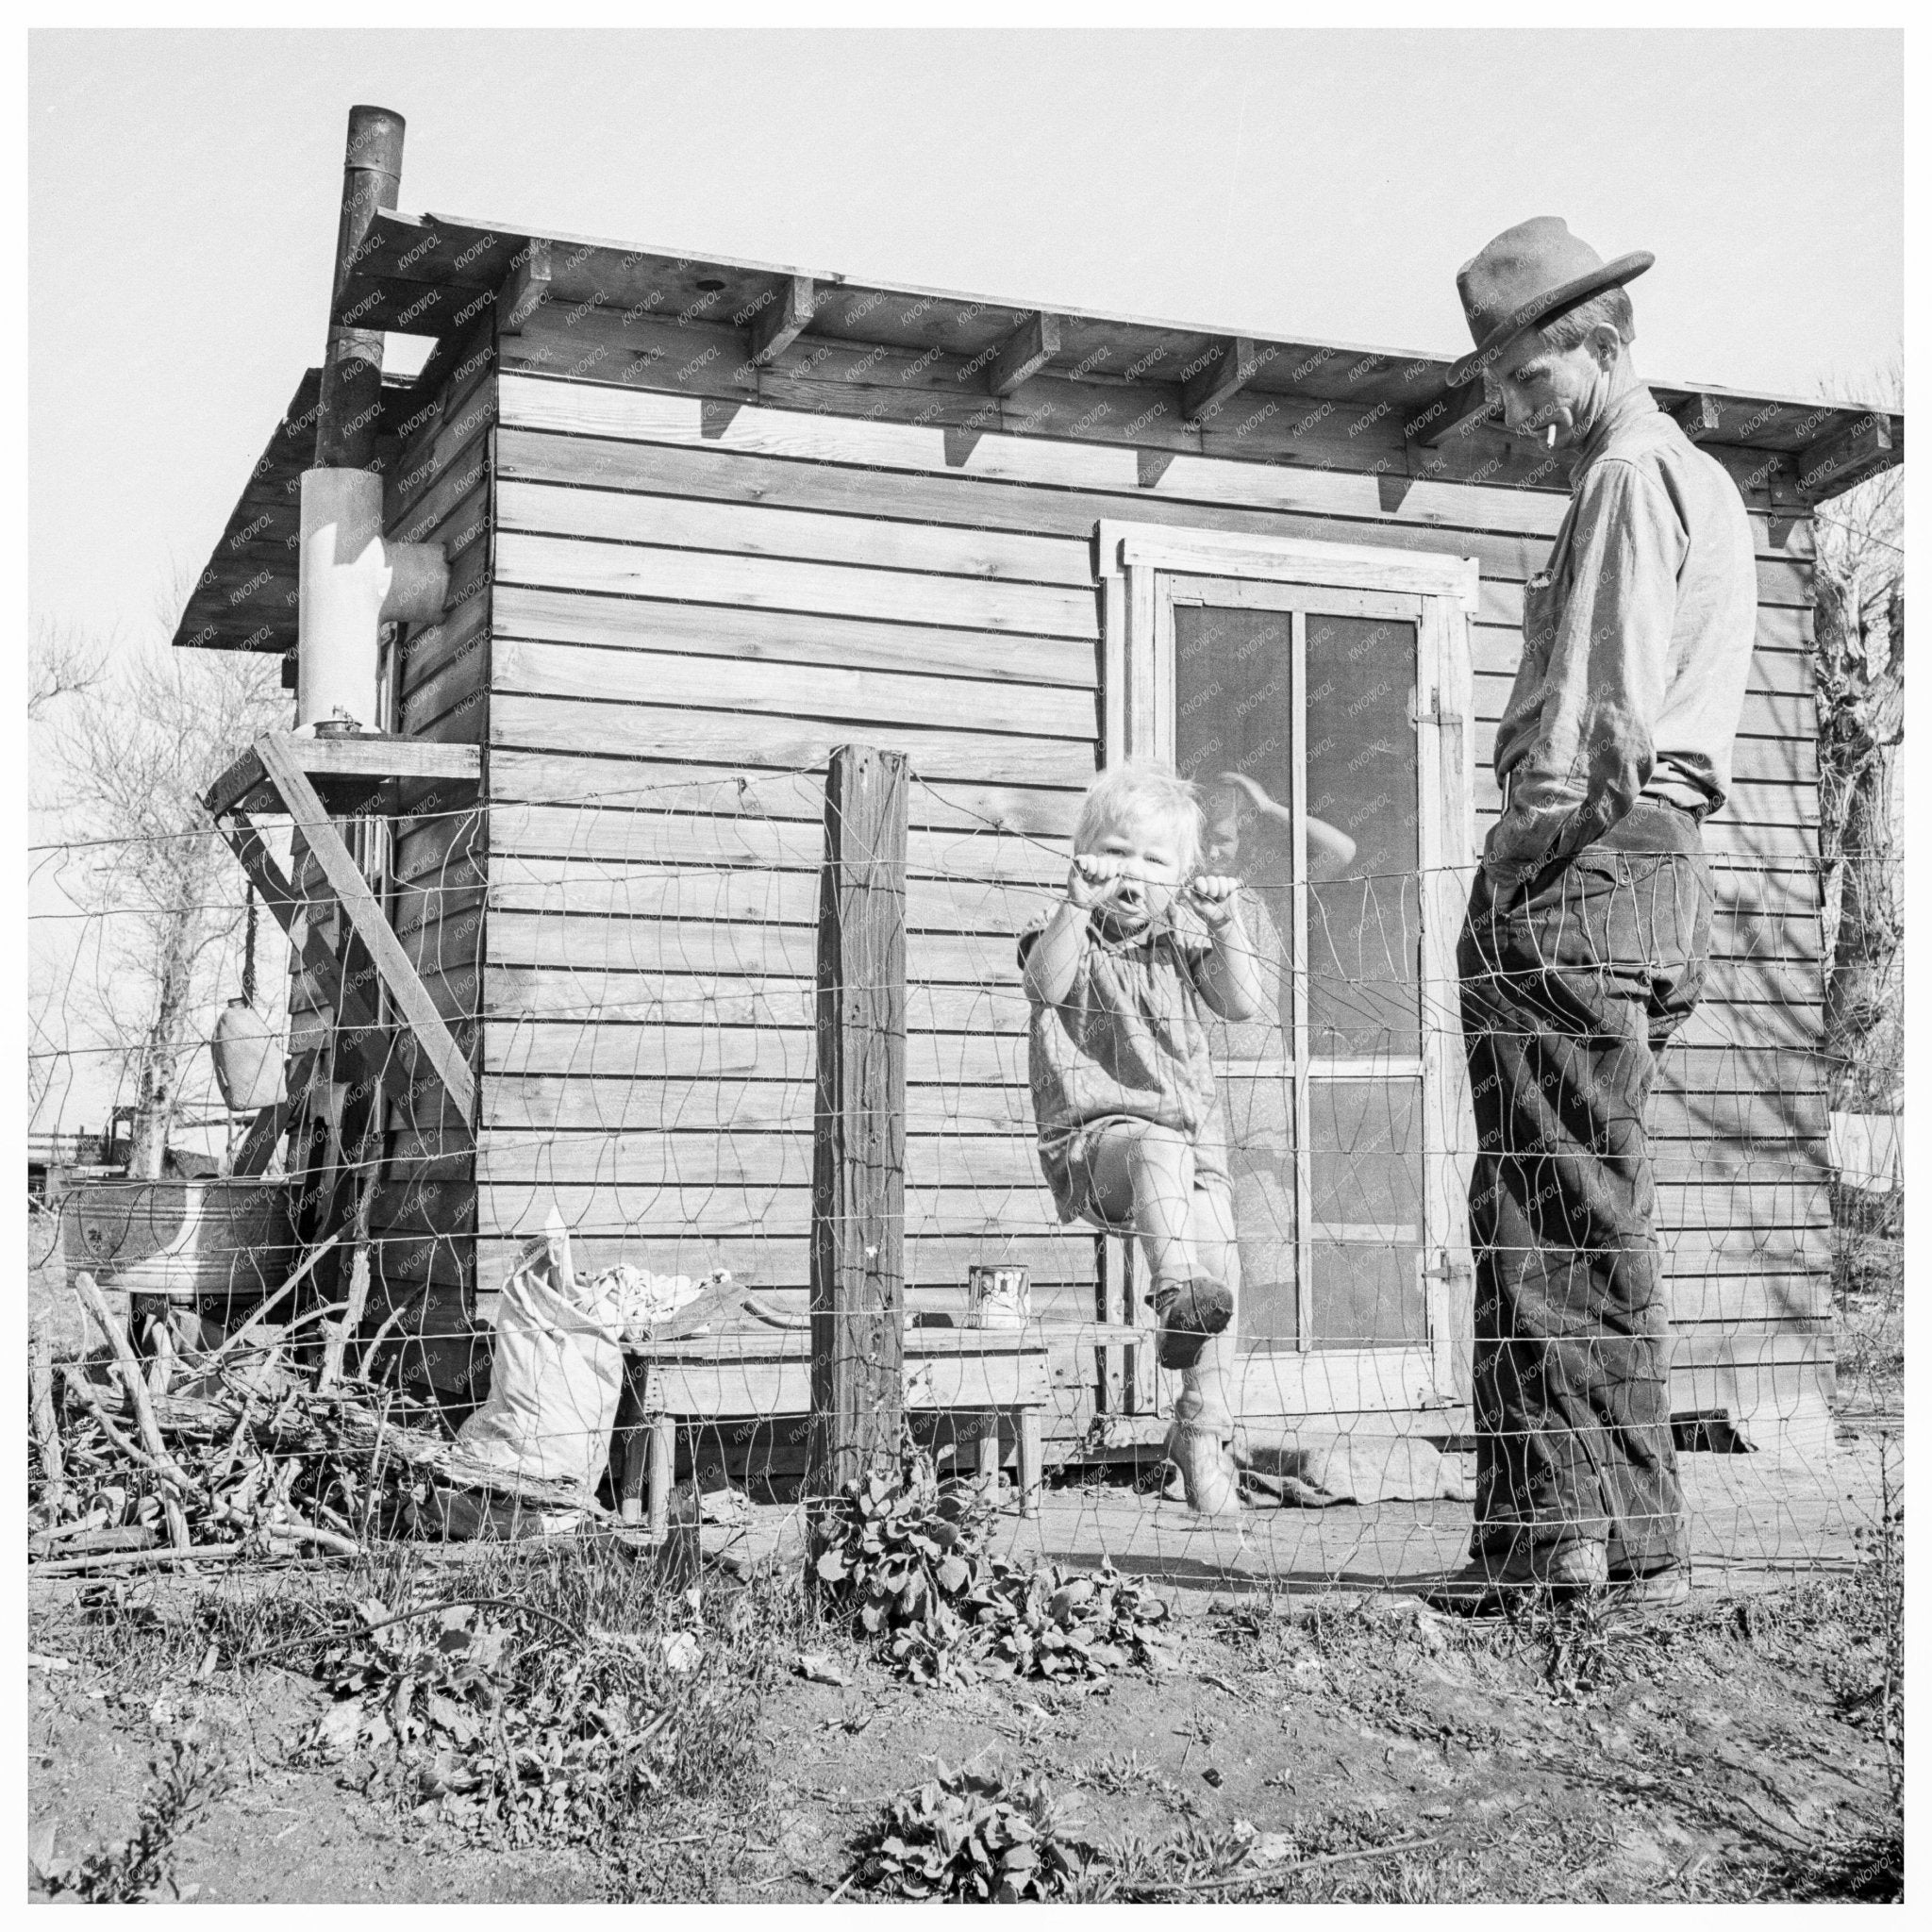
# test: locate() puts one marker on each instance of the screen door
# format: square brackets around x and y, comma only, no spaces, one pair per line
[1309,716]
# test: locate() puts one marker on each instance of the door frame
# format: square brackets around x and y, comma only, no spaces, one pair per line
[1139,568]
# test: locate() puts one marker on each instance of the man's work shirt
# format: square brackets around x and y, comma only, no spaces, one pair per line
[1635,644]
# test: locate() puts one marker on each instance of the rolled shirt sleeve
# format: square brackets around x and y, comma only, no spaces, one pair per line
[1578,744]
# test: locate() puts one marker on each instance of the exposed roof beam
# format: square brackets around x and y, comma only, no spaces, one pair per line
[524,289]
[405,254]
[1024,353]
[782,319]
[1829,465]
[1697,417]
[1455,412]
[1231,364]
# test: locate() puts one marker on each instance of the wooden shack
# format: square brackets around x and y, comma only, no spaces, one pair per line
[706,521]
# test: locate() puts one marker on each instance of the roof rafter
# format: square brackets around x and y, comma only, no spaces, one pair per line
[782,319]
[1455,412]
[1233,363]
[1024,353]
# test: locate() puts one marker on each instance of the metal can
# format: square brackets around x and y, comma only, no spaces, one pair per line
[998,1297]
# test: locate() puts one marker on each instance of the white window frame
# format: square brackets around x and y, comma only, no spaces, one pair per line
[1144,571]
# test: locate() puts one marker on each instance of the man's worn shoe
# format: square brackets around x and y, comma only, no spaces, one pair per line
[1208,1471]
[1485,1586]
[1490,1585]
[1571,1567]
[1189,1312]
[1660,1590]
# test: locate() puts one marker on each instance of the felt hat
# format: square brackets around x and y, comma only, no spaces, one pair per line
[1526,276]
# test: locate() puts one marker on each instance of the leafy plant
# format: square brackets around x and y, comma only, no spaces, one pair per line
[1198,1856]
[904,1556]
[968,1836]
[141,1868]
[1057,1623]
[895,1552]
[552,1712]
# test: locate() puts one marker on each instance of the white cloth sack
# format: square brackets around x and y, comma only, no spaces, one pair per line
[558,1374]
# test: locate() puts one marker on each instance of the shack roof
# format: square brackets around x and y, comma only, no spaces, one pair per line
[996,364]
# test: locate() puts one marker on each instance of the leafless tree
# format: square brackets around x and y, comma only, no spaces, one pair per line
[62,661]
[1859,593]
[135,749]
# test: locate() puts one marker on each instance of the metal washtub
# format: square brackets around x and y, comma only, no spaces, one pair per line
[194,1241]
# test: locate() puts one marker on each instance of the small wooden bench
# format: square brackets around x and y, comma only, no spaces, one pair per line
[989,1372]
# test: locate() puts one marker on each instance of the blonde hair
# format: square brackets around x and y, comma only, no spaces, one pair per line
[1140,795]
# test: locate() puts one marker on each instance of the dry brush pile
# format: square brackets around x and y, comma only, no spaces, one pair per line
[244,1453]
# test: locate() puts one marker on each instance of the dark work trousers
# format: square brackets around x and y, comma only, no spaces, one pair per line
[1571,984]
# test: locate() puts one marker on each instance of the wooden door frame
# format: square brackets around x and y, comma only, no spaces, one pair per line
[1137,566]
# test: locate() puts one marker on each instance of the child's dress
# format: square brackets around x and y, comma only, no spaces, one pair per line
[1128,1043]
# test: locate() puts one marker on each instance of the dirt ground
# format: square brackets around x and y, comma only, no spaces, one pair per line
[1734,1752]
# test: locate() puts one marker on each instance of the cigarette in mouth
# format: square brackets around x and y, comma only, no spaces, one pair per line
[1551,443]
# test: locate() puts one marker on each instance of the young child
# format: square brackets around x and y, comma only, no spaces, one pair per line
[1131,1138]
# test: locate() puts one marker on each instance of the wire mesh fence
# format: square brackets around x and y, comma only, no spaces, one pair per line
[631,968]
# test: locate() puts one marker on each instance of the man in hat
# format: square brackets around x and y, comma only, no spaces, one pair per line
[1588,929]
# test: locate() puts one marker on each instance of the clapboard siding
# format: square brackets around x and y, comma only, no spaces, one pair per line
[970,884]
[576,726]
[950,1216]
[984,1058]
[611,997]
[579,727]
[939,1203]
[682,1157]
[688,600]
[836,443]
[875,699]
[782,584]
[714,630]
[1039,812]
[645,624]
[1752,969]
[579,1100]
[1508,531]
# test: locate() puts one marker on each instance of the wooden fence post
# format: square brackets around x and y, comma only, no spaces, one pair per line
[859,1136]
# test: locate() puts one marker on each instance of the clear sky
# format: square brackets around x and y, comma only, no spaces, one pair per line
[183,189]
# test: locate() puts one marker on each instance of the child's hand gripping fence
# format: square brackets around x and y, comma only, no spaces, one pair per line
[633,975]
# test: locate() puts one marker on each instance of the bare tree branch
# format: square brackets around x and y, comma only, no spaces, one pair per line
[134,752]
[1860,666]
[62,661]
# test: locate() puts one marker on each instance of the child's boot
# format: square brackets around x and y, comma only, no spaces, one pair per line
[1189,1311]
[1208,1471]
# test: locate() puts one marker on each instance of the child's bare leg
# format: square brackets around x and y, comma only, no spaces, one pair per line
[1142,1176]
[1207,1388]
